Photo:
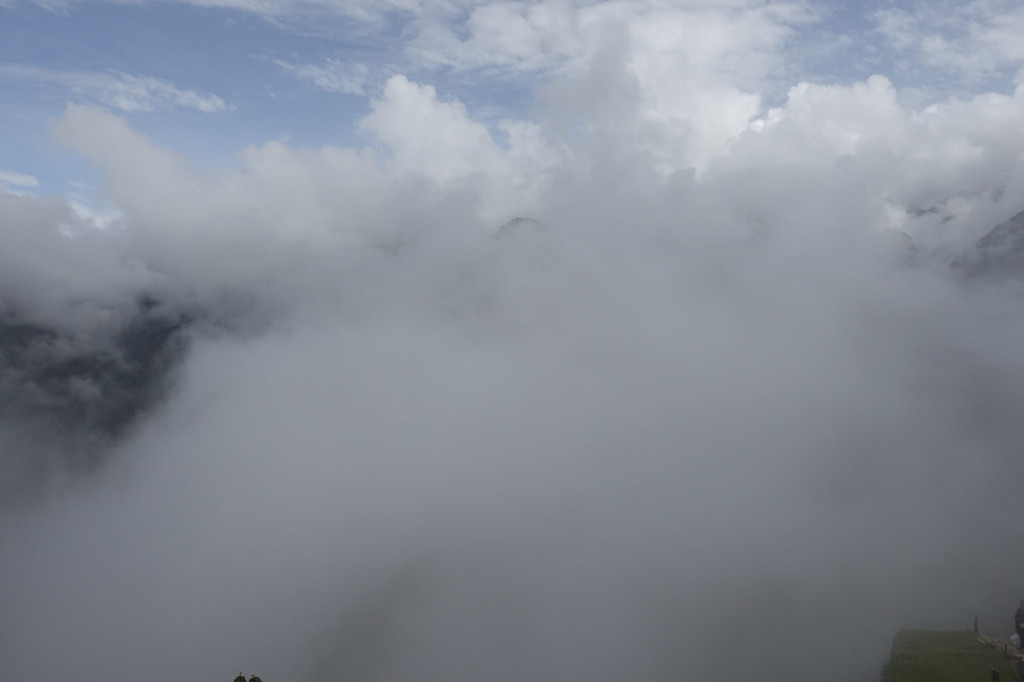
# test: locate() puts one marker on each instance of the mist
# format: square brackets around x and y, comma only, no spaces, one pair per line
[608,395]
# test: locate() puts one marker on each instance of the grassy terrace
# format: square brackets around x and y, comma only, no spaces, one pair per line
[926,656]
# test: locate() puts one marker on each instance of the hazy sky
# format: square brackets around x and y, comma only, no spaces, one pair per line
[286,387]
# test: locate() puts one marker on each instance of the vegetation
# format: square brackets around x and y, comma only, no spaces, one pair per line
[926,656]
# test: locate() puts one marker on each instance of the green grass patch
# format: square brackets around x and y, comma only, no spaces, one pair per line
[927,656]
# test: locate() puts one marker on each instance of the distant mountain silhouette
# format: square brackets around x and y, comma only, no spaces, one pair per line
[66,395]
[997,256]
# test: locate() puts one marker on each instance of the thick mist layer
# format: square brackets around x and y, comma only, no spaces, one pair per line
[616,396]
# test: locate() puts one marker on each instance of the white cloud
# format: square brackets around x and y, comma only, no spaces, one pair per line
[540,36]
[697,67]
[365,10]
[14,183]
[666,399]
[671,400]
[736,39]
[554,34]
[437,140]
[430,136]
[971,40]
[118,90]
[333,75]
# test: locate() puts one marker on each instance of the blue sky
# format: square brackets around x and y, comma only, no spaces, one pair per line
[234,58]
[213,52]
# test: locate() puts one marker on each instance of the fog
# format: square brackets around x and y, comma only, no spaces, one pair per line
[608,395]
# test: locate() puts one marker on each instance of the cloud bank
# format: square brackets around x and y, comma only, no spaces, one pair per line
[657,383]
